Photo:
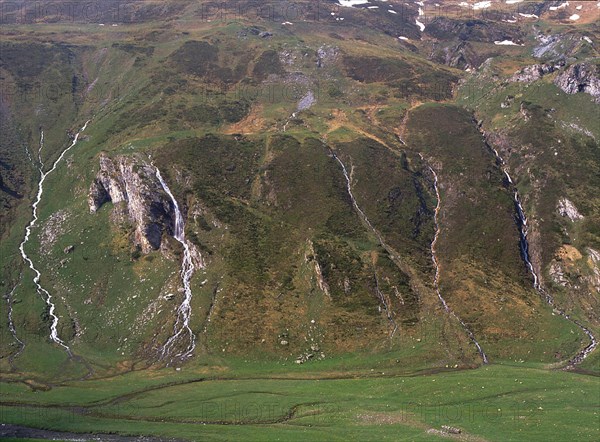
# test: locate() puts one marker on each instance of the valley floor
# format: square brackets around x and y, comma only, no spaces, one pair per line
[495,402]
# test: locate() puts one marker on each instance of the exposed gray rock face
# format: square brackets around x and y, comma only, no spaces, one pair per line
[594,263]
[132,182]
[546,46]
[461,56]
[532,73]
[581,77]
[557,274]
[567,208]
[552,47]
[326,55]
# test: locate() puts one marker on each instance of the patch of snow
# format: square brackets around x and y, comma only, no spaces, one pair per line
[475,6]
[512,2]
[352,3]
[482,5]
[372,7]
[403,38]
[528,15]
[588,39]
[561,6]
[391,11]
[574,17]
[506,43]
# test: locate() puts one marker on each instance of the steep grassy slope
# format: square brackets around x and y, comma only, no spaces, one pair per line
[273,241]
[549,142]
[482,272]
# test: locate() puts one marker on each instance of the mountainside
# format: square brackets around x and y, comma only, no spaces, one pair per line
[196,184]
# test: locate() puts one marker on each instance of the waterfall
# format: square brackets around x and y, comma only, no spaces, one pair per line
[36,279]
[181,328]
[41,147]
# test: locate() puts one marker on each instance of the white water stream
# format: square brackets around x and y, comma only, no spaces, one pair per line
[11,324]
[362,214]
[41,290]
[524,244]
[182,328]
[436,266]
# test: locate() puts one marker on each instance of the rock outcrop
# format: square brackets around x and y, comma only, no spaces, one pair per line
[475,30]
[594,264]
[326,55]
[567,209]
[581,77]
[131,184]
[532,73]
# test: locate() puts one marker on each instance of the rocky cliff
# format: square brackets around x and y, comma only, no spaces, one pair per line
[581,77]
[131,184]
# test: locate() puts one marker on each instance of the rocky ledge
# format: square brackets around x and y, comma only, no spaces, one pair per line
[130,183]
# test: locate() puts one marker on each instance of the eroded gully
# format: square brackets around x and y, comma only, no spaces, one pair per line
[382,298]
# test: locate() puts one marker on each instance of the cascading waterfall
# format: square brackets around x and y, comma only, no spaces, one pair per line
[181,330]
[524,245]
[36,279]
[288,121]
[362,214]
[436,266]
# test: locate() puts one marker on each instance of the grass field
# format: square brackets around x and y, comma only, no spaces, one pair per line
[239,401]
